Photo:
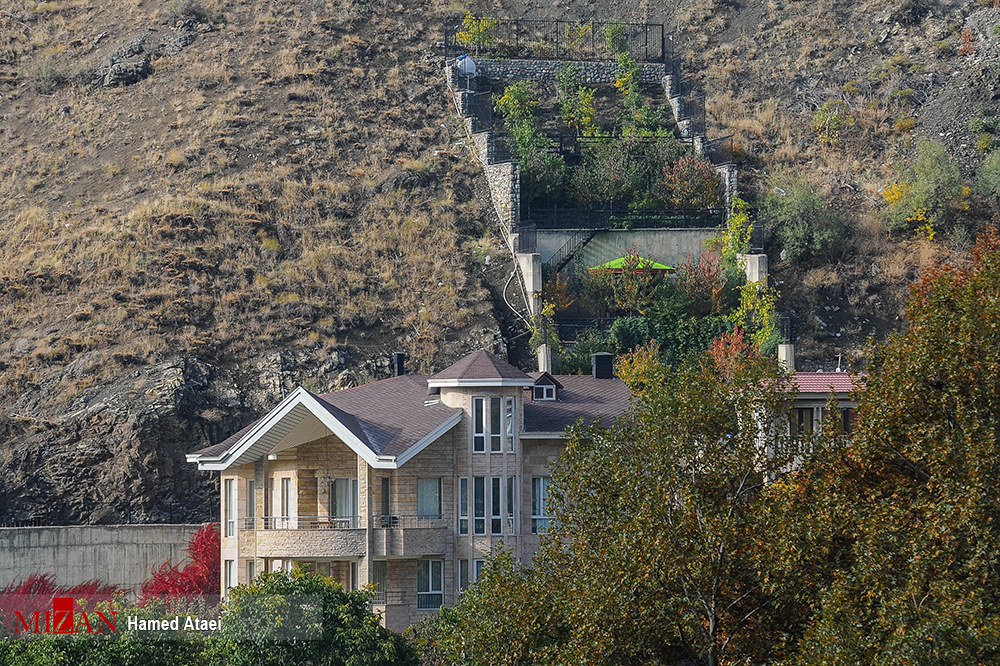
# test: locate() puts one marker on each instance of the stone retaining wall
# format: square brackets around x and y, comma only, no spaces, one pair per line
[545,70]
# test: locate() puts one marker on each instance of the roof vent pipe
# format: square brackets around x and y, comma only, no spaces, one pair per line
[603,365]
[398,364]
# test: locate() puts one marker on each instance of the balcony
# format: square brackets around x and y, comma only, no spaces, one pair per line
[410,536]
[303,537]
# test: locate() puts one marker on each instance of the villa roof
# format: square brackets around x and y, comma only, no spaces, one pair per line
[824,382]
[598,401]
[480,365]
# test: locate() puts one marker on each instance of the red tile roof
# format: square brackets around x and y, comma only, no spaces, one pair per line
[824,382]
[481,365]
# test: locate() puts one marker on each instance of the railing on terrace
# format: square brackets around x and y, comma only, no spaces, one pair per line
[302,523]
[570,329]
[621,217]
[577,146]
[556,40]
[408,522]
[390,598]
[720,151]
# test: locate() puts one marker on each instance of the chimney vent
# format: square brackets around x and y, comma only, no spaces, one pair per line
[398,364]
[602,364]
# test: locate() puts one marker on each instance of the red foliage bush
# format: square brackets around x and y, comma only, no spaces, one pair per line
[199,578]
[35,593]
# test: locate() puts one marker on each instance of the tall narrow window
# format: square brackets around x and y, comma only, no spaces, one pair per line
[379,580]
[230,573]
[463,574]
[428,499]
[354,576]
[479,504]
[286,501]
[250,571]
[477,569]
[251,502]
[230,508]
[539,495]
[510,504]
[509,420]
[478,424]
[496,502]
[430,584]
[269,500]
[344,503]
[804,421]
[495,445]
[463,506]
[385,496]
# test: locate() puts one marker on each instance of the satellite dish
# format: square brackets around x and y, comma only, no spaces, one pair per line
[466,66]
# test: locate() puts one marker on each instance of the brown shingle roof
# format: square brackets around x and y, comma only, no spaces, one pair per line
[480,365]
[596,400]
[387,416]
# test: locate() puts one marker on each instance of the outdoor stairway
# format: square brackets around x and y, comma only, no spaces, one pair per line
[565,254]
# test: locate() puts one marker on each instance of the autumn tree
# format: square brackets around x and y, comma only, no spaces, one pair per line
[895,539]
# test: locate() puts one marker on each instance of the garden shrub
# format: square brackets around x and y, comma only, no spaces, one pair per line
[926,190]
[797,216]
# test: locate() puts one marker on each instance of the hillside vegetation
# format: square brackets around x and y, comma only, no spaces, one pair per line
[206,203]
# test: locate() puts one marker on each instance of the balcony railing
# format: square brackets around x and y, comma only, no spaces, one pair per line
[390,598]
[409,522]
[303,523]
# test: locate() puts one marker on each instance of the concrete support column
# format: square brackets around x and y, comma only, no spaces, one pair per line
[754,266]
[531,273]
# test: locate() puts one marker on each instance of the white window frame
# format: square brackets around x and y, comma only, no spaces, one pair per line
[431,598]
[464,579]
[496,505]
[478,425]
[539,497]
[496,425]
[542,392]
[229,567]
[477,569]
[511,420]
[286,501]
[344,517]
[463,505]
[479,505]
[230,495]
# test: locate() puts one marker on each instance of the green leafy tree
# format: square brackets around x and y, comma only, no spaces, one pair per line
[543,173]
[303,618]
[895,538]
[926,191]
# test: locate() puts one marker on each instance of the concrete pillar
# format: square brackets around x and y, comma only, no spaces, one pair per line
[754,266]
[786,357]
[544,358]
[531,272]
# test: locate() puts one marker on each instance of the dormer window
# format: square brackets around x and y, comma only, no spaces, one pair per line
[544,388]
[545,393]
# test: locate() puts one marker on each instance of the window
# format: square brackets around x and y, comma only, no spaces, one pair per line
[509,419]
[510,504]
[463,506]
[230,508]
[496,502]
[385,496]
[544,392]
[463,574]
[250,570]
[847,426]
[477,569]
[286,499]
[344,503]
[354,576]
[429,584]
[479,504]
[428,499]
[251,499]
[539,495]
[379,578]
[495,425]
[269,491]
[478,424]
[804,421]
[230,570]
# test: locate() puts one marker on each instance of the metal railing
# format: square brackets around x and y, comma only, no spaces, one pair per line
[617,216]
[390,598]
[302,523]
[556,40]
[408,522]
[720,151]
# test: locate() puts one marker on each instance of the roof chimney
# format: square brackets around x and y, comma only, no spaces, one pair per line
[398,364]
[602,364]
[544,359]
[786,357]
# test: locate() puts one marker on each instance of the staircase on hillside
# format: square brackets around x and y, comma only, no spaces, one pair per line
[565,254]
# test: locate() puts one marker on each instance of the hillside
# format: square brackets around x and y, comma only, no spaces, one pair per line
[267,194]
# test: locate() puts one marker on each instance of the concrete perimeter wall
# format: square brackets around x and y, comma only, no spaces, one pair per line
[119,554]
[667,246]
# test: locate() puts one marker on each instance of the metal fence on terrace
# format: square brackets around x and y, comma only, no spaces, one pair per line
[617,216]
[555,40]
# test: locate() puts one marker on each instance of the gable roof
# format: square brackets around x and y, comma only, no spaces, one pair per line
[542,378]
[386,423]
[480,368]
[824,382]
[598,401]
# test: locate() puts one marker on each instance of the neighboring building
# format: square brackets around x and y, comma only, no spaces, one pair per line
[408,482]
[814,392]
